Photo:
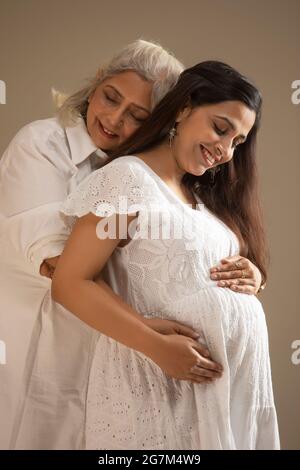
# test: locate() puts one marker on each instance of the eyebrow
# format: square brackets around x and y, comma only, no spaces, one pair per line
[121,96]
[231,125]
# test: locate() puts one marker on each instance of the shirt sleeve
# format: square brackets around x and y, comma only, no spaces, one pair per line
[32,187]
[37,234]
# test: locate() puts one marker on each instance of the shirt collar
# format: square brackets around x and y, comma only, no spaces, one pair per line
[81,144]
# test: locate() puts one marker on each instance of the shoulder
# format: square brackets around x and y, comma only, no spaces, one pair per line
[128,169]
[47,127]
[34,141]
[38,132]
[122,181]
[125,175]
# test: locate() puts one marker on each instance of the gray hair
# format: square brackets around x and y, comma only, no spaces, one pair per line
[148,59]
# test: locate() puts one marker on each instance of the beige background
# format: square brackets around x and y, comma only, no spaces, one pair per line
[61,42]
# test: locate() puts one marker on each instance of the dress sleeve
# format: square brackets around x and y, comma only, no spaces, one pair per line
[122,187]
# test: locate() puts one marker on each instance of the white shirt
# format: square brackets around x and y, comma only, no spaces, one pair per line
[41,166]
[43,163]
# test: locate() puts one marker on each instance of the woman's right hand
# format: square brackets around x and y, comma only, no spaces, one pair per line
[48,267]
[184,358]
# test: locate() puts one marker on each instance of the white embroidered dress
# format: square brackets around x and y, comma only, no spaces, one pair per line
[132,404]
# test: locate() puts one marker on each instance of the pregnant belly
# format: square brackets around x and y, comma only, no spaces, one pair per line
[225,320]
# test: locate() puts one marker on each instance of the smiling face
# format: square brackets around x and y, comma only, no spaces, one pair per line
[117,108]
[208,135]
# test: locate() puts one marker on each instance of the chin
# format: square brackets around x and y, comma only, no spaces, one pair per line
[103,146]
[197,171]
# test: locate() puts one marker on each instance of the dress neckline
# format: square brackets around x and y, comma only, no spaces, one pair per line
[168,189]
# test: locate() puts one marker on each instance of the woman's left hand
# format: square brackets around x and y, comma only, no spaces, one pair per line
[238,274]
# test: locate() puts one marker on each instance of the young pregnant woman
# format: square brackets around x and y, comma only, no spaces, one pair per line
[194,159]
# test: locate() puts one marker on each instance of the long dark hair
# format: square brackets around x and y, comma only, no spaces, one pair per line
[232,194]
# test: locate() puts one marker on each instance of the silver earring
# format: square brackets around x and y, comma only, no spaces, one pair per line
[172,133]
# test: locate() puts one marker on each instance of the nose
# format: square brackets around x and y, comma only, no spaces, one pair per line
[224,152]
[116,118]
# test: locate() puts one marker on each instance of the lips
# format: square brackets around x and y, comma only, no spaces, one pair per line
[207,155]
[106,132]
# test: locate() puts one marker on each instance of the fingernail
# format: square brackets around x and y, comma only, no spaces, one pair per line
[221,283]
[214,276]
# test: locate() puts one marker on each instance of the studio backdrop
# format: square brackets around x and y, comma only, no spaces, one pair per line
[58,43]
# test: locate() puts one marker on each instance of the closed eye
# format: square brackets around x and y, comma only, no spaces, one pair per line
[109,98]
[137,119]
[218,130]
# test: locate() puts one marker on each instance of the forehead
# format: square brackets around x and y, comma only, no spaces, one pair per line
[131,87]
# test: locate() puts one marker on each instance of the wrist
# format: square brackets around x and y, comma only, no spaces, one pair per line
[150,341]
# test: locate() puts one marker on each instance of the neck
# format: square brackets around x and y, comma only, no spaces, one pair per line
[166,163]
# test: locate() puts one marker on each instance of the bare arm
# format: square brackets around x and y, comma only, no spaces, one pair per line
[97,305]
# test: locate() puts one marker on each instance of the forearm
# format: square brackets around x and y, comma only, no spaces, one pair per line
[99,307]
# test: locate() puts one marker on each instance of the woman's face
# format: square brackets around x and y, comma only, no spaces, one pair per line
[208,135]
[117,108]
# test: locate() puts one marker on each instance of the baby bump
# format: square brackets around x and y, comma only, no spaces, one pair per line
[229,323]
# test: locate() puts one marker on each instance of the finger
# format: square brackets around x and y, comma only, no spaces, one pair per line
[201,372]
[201,349]
[45,271]
[199,380]
[185,330]
[207,363]
[247,289]
[232,259]
[229,264]
[233,273]
[243,282]
[222,264]
[237,282]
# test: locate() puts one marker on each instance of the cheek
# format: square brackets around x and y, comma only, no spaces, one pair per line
[127,131]
[96,109]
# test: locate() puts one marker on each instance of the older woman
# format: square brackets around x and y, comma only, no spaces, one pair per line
[43,163]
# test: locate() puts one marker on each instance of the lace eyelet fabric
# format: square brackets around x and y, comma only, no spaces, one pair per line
[132,403]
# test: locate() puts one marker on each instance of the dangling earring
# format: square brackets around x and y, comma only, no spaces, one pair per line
[172,133]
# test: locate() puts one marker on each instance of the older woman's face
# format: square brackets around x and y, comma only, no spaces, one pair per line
[208,135]
[117,108]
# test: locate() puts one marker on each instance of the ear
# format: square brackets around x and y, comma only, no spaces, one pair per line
[184,113]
